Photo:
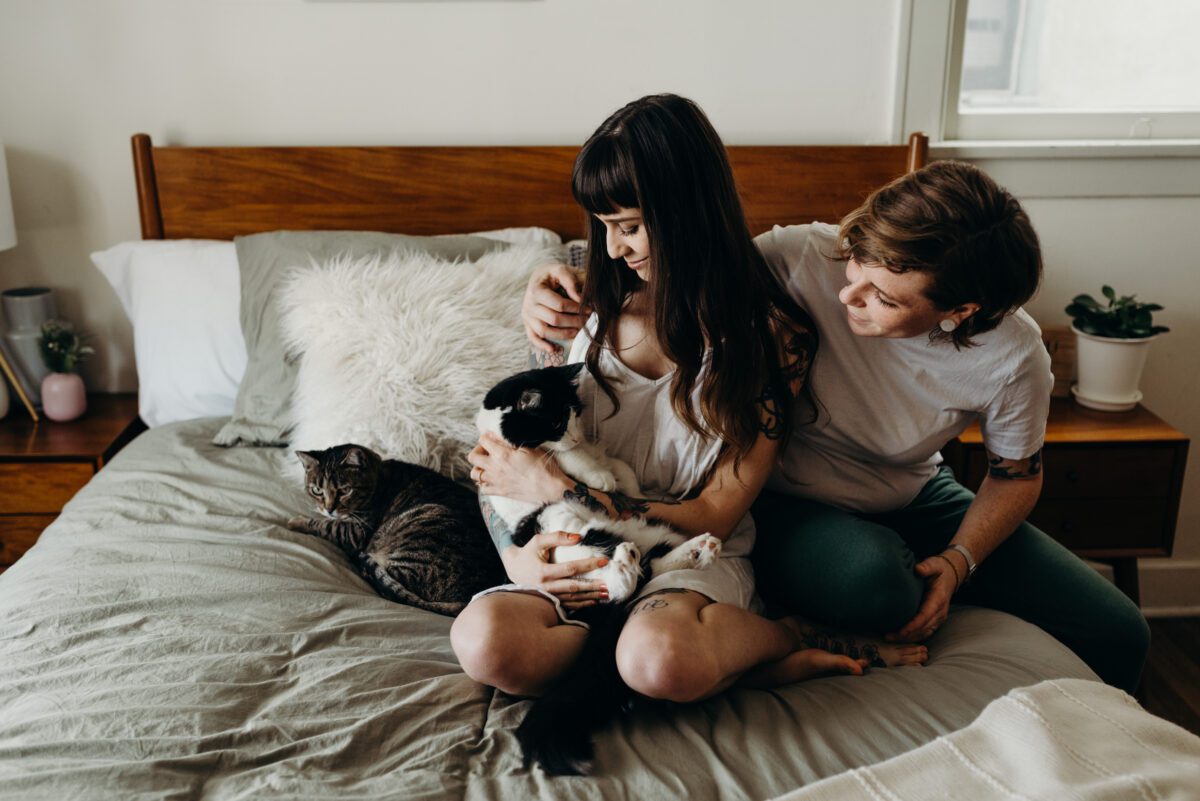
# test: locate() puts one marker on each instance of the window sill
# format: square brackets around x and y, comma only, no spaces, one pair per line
[969,149]
[1084,169]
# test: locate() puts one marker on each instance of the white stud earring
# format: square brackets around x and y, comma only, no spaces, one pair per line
[948,325]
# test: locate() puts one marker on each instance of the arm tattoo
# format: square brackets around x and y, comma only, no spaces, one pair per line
[539,358]
[626,507]
[1016,469]
[502,533]
[582,494]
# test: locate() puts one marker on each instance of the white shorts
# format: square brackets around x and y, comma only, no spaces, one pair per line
[730,580]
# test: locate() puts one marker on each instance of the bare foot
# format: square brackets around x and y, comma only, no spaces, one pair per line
[808,663]
[877,653]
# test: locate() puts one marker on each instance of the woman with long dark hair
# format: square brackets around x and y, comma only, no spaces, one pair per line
[695,356]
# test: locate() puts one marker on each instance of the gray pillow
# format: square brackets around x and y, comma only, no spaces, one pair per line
[262,410]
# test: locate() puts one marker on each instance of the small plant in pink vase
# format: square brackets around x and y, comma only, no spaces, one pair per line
[63,394]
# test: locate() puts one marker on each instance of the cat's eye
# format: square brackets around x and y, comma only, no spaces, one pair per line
[347,494]
[315,490]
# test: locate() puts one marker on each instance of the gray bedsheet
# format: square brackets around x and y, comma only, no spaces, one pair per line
[168,638]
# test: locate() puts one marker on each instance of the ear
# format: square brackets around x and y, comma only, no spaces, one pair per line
[530,399]
[964,312]
[359,456]
[309,459]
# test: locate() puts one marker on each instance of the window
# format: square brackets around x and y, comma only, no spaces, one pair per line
[1061,69]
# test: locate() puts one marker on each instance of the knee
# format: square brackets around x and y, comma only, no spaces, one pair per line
[874,592]
[486,652]
[665,667]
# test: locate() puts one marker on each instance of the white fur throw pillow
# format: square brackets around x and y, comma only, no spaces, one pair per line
[396,352]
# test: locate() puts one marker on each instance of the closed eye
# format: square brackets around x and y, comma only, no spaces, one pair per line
[885,301]
[630,231]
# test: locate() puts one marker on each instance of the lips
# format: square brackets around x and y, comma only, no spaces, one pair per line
[633,265]
[855,317]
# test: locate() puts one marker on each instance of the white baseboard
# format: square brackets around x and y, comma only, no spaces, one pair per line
[1169,587]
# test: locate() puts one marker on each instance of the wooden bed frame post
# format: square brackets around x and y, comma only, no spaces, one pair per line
[918,151]
[147,187]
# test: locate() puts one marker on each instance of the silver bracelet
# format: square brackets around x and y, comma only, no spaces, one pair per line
[966,555]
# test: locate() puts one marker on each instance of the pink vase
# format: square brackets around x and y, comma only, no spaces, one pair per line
[63,396]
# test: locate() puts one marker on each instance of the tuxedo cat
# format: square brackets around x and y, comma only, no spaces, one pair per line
[540,408]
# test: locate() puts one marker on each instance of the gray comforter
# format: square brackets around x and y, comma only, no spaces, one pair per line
[168,638]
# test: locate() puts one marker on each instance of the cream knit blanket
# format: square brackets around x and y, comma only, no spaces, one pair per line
[1058,740]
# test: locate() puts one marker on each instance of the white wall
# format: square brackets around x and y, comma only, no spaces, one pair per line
[78,78]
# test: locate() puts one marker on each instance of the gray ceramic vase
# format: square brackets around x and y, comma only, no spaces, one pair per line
[25,310]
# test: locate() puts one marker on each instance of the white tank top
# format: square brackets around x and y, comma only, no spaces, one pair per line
[669,459]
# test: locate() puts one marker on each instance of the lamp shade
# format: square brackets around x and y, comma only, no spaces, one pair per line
[8,228]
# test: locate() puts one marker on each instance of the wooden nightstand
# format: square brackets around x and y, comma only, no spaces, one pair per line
[1112,483]
[42,465]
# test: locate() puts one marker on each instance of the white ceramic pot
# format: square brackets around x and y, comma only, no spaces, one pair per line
[1109,371]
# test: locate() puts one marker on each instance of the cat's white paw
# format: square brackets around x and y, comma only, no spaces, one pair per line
[623,572]
[703,550]
[601,480]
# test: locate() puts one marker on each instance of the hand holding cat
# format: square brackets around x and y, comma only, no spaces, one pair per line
[547,314]
[531,566]
[524,474]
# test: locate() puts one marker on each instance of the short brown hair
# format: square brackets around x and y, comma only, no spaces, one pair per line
[951,220]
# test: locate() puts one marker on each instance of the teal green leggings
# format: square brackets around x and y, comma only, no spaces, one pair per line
[855,571]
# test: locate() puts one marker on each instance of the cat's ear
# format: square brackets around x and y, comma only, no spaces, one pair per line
[308,459]
[355,457]
[530,399]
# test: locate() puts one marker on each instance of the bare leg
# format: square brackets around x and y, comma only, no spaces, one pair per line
[514,642]
[680,646]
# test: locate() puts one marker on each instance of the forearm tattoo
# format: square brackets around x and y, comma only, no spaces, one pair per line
[627,507]
[999,467]
[502,533]
[582,494]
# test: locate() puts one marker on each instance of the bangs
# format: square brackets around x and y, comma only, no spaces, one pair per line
[603,179]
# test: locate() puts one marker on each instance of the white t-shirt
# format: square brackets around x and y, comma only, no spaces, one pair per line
[887,406]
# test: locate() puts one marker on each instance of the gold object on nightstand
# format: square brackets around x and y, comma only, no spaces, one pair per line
[42,465]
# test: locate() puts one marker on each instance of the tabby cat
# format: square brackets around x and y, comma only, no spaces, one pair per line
[416,536]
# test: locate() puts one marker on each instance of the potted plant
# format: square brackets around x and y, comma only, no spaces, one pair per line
[1112,343]
[63,394]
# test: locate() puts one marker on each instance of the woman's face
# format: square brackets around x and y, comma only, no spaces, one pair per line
[626,238]
[881,303]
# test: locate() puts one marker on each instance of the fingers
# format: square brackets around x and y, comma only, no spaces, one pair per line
[577,590]
[929,617]
[574,568]
[569,280]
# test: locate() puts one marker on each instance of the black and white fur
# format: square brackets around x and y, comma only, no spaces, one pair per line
[540,408]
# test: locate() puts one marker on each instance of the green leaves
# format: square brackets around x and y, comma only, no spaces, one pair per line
[62,349]
[1122,318]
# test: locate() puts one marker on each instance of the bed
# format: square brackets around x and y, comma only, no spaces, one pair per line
[168,637]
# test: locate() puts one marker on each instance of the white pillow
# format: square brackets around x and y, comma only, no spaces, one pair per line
[182,297]
[396,352]
[523,236]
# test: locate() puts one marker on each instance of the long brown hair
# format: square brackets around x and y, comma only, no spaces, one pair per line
[712,289]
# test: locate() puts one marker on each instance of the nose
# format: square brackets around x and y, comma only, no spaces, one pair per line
[616,248]
[330,500]
[852,293]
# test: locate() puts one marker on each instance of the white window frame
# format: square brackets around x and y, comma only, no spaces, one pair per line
[931,37]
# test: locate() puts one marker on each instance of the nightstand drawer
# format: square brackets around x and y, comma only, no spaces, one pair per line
[1102,523]
[40,488]
[1111,472]
[18,534]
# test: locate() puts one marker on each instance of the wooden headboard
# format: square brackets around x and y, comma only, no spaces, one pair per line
[223,192]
